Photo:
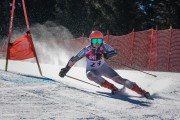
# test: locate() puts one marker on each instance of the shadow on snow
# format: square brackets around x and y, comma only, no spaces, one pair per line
[126,98]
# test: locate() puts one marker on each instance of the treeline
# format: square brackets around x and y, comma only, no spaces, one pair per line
[81,16]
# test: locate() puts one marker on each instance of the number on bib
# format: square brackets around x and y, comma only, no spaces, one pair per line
[94,64]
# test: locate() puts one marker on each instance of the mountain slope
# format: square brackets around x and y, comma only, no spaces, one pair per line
[26,95]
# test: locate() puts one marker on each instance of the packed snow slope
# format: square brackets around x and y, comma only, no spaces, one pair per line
[24,94]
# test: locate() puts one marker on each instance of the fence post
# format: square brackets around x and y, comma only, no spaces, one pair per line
[156,38]
[132,47]
[107,36]
[151,47]
[169,47]
[82,38]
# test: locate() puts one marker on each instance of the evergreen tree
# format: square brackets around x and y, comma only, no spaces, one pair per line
[159,13]
[82,16]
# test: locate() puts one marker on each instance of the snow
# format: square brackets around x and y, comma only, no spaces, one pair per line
[24,94]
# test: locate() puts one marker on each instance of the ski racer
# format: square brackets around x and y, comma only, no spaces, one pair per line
[97,67]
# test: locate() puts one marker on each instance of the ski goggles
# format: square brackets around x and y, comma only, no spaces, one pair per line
[96,40]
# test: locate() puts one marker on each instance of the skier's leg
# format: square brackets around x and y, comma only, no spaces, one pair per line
[96,77]
[112,74]
[129,84]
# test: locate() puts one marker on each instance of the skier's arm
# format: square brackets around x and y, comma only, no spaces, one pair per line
[76,58]
[110,51]
[71,62]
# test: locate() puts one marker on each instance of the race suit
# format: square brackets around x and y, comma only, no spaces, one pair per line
[96,68]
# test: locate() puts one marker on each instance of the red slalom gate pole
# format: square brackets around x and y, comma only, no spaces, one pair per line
[10,33]
[27,24]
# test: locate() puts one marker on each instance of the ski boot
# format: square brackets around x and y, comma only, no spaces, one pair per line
[114,91]
[110,86]
[147,95]
[140,91]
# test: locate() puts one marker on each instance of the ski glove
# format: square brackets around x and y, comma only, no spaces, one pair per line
[110,54]
[63,71]
[99,56]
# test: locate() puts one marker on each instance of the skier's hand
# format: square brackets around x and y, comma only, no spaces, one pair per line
[106,55]
[99,56]
[110,54]
[63,71]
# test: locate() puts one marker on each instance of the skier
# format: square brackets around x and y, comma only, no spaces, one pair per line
[97,67]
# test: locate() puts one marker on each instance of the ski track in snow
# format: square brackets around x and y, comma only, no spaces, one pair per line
[25,95]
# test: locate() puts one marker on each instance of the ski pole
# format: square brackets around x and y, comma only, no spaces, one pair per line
[135,69]
[81,81]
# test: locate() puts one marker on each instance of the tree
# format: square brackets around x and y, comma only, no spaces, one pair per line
[159,13]
[82,16]
[96,14]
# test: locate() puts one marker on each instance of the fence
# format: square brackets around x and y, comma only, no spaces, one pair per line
[154,50]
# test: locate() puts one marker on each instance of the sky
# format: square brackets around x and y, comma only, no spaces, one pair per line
[24,94]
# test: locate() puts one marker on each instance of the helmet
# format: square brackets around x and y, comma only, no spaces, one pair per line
[96,34]
[96,37]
